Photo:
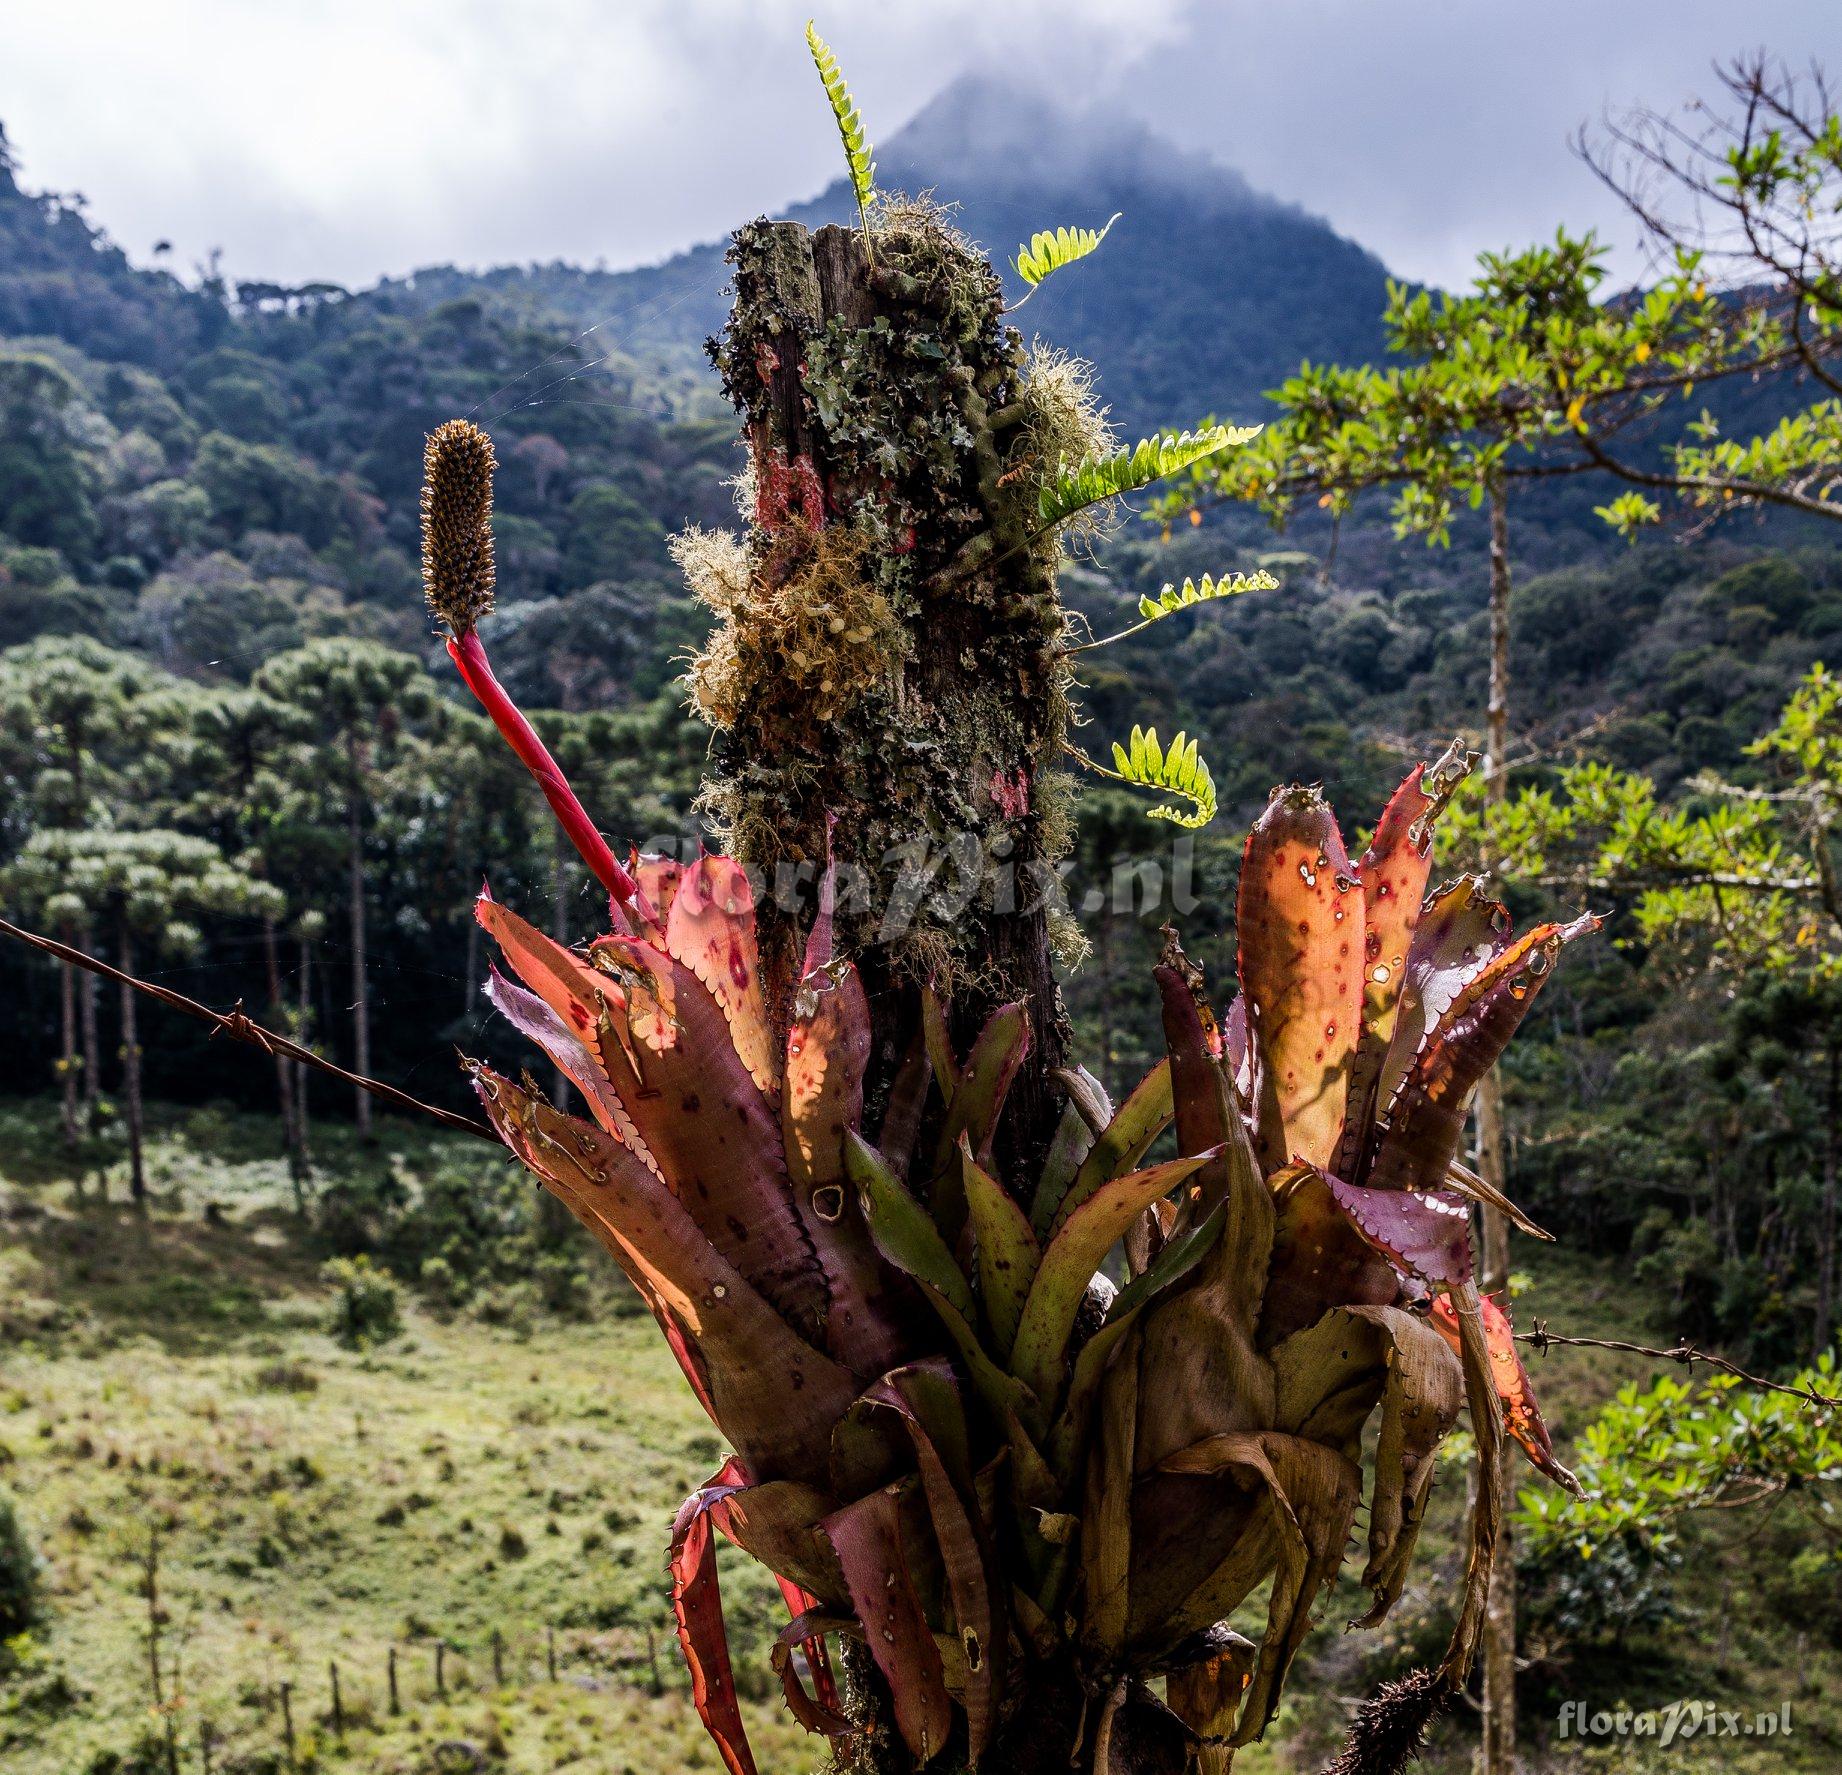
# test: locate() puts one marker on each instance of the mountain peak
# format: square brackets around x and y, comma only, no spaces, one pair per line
[994,135]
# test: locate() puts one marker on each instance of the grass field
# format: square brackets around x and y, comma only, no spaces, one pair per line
[169,1386]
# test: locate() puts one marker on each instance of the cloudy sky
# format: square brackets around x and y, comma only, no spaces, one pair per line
[351,138]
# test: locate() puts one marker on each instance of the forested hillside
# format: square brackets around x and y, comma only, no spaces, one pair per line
[207,537]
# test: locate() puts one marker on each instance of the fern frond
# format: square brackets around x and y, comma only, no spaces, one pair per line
[1192,591]
[1151,459]
[857,151]
[1178,768]
[1174,598]
[1047,252]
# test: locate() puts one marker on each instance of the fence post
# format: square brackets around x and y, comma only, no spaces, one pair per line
[441,1658]
[652,1661]
[332,1665]
[550,1651]
[498,1659]
[392,1671]
[287,1721]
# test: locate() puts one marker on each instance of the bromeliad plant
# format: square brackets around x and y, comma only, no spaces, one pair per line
[1028,1392]
[959,1446]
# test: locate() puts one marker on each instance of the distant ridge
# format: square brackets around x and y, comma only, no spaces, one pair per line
[1207,293]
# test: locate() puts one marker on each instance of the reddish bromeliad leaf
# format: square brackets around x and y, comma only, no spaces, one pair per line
[1424,1232]
[1320,1257]
[1299,923]
[926,1396]
[710,929]
[1426,1113]
[1521,1415]
[867,1537]
[1461,931]
[1394,870]
[697,1608]
[733,1335]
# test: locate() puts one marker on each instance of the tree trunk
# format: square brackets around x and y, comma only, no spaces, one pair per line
[69,1065]
[284,1073]
[941,767]
[92,1037]
[131,1070]
[303,1033]
[361,990]
[1498,1751]
[1825,1328]
[922,751]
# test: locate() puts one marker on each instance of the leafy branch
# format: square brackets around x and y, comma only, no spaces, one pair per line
[1151,459]
[1671,1449]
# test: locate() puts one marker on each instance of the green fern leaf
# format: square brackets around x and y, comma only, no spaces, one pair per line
[1048,252]
[1192,591]
[1178,768]
[857,151]
[1151,459]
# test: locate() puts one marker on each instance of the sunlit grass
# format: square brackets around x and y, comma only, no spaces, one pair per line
[317,1504]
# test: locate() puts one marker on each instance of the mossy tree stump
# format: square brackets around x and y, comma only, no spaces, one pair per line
[887,669]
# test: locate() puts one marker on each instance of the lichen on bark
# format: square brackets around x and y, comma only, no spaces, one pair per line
[886,672]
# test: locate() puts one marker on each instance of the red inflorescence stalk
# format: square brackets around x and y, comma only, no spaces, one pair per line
[468,654]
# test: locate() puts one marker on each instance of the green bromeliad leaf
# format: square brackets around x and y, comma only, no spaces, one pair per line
[1008,1253]
[903,1230]
[1179,768]
[857,150]
[1071,490]
[1230,585]
[1125,1140]
[1049,251]
[1172,1264]
[1070,1260]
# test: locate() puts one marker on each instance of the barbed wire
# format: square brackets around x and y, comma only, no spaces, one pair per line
[241,1028]
[1685,1353]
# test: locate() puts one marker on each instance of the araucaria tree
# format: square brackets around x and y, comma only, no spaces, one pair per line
[835,1138]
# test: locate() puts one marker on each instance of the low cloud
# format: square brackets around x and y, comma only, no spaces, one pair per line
[351,139]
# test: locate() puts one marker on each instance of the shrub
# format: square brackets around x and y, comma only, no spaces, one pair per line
[20,1574]
[286,1375]
[441,1287]
[1807,1588]
[367,1308]
[1579,1602]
